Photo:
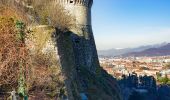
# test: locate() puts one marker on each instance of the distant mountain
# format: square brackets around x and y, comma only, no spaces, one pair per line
[116,52]
[159,51]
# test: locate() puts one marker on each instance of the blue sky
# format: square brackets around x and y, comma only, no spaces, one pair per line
[130,23]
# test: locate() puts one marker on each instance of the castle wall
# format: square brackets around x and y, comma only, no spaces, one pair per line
[81,34]
[81,14]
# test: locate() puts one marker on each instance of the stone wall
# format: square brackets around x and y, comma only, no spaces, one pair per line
[81,33]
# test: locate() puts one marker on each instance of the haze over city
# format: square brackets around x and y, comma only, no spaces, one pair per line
[132,23]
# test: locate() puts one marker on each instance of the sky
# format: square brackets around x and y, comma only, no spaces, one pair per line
[130,23]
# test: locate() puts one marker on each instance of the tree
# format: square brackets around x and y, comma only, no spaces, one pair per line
[165,79]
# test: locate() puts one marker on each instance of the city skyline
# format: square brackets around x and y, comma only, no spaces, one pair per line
[130,23]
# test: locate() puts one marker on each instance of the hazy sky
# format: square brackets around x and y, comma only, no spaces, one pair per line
[130,23]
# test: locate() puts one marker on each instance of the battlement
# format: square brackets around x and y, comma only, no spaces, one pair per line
[87,3]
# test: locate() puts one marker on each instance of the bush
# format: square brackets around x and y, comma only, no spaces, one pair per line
[12,52]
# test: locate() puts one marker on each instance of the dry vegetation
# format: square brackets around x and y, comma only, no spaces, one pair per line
[11,9]
[9,59]
[14,56]
[51,13]
[42,71]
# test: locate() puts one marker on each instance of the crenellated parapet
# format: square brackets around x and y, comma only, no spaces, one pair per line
[87,3]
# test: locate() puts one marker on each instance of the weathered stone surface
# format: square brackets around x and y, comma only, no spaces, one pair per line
[81,34]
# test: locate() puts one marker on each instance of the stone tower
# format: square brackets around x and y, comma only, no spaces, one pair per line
[82,36]
[77,56]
